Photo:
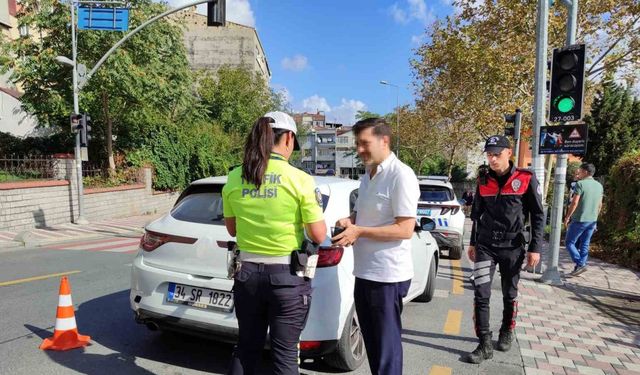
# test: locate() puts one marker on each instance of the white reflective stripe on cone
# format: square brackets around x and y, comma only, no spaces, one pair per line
[65,300]
[64,324]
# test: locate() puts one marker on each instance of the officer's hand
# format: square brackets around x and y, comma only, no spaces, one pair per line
[533,259]
[566,222]
[348,237]
[471,253]
[344,222]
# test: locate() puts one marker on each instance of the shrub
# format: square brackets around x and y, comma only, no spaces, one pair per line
[620,220]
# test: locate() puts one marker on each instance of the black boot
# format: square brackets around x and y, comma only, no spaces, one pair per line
[504,341]
[483,351]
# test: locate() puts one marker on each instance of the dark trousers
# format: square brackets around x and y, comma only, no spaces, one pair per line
[510,262]
[269,296]
[379,306]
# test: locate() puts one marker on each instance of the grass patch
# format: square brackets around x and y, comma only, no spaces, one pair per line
[8,177]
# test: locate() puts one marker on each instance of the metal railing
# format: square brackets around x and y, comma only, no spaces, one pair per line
[29,167]
[99,175]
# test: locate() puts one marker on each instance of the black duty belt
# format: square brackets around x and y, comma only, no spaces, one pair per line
[497,235]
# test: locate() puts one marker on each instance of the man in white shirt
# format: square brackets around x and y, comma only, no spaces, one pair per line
[380,230]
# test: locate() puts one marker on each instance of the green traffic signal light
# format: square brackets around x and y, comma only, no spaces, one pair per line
[565,104]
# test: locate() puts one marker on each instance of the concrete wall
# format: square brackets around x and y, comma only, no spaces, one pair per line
[13,119]
[38,204]
[210,48]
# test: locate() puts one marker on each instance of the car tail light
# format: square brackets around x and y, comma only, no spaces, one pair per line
[152,240]
[329,256]
[454,210]
[309,345]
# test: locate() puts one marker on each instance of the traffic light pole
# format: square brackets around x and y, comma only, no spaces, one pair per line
[539,112]
[80,220]
[551,274]
[516,134]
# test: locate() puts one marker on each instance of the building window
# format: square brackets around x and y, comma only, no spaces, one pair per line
[343,140]
[322,152]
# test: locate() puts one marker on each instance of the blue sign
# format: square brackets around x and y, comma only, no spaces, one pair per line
[110,19]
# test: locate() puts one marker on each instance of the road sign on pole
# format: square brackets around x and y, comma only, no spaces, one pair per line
[564,139]
[99,18]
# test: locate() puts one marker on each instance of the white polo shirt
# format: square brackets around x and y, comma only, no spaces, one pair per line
[393,192]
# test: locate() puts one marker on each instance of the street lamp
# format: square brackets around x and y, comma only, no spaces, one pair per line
[63,60]
[397,114]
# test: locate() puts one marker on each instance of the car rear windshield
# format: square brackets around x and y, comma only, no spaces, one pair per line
[203,204]
[435,193]
[200,204]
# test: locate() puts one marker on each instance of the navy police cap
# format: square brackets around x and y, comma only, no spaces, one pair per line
[496,143]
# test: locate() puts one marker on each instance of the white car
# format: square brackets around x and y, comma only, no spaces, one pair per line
[179,276]
[438,202]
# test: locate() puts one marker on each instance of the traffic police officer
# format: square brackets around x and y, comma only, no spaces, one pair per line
[505,197]
[268,204]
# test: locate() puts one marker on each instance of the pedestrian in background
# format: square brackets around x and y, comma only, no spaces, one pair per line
[268,204]
[380,230]
[505,198]
[468,201]
[582,216]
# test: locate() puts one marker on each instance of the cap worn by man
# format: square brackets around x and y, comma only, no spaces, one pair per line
[496,143]
[282,120]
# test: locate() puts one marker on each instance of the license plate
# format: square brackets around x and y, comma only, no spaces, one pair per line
[424,211]
[203,298]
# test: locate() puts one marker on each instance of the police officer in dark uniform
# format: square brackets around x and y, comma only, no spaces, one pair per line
[505,198]
[268,205]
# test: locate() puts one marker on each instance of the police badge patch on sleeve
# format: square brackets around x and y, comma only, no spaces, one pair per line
[515,185]
[319,197]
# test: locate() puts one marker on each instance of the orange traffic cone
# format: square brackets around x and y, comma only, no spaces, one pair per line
[65,335]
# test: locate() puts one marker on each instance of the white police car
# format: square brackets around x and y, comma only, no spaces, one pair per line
[179,276]
[438,202]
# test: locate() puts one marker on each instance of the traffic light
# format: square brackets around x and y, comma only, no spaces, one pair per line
[216,12]
[567,83]
[85,128]
[515,119]
[74,120]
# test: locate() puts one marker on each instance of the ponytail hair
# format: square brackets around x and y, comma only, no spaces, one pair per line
[257,150]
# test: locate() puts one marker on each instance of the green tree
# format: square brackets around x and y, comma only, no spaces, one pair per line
[235,98]
[613,126]
[362,115]
[478,64]
[149,72]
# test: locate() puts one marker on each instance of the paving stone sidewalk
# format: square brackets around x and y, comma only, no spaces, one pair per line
[589,325]
[128,227]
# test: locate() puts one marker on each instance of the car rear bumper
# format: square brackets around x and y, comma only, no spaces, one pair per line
[148,300]
[447,238]
[184,325]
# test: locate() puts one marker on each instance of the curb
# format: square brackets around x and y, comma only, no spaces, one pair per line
[26,239]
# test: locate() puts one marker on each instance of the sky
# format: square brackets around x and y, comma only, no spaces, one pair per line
[330,55]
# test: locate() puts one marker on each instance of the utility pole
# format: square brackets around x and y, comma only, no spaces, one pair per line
[539,112]
[397,114]
[81,220]
[551,274]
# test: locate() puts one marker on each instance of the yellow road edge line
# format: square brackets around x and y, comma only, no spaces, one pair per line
[452,325]
[457,276]
[440,370]
[36,278]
